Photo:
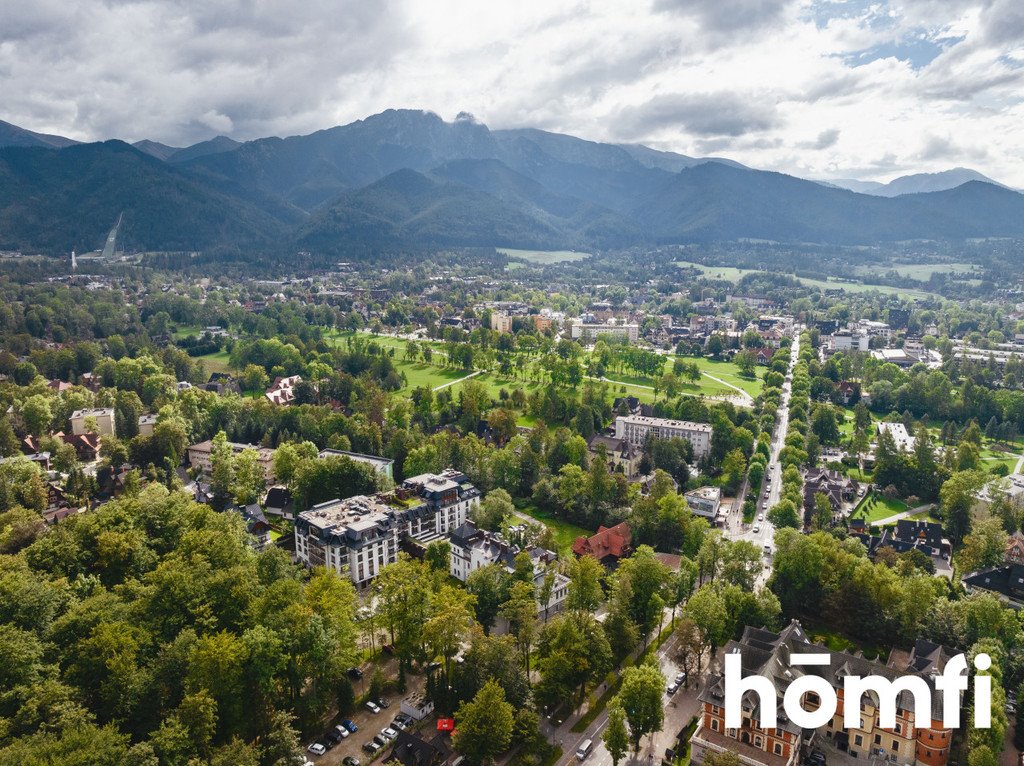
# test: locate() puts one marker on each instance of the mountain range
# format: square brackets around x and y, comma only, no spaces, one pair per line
[917,183]
[405,179]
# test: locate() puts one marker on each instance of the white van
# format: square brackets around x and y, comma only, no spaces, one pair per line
[584,749]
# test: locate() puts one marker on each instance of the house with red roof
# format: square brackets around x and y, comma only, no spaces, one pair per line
[609,546]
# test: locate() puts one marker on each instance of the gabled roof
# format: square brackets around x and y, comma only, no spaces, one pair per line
[609,541]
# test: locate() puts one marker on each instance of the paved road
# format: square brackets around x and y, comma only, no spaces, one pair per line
[761,532]
[678,711]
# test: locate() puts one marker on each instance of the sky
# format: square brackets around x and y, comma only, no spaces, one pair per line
[815,88]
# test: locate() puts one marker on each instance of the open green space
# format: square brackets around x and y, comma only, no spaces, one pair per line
[544,257]
[875,507]
[921,272]
[422,374]
[732,274]
[184,330]
[218,362]
[565,533]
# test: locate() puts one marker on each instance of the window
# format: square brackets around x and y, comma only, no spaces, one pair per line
[714,724]
[895,746]
[778,749]
[858,740]
[878,739]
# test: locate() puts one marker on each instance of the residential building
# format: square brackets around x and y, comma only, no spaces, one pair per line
[609,545]
[844,340]
[621,455]
[360,535]
[382,465]
[1015,549]
[103,416]
[473,548]
[908,535]
[256,524]
[838,488]
[705,502]
[874,329]
[279,503]
[1005,582]
[904,441]
[199,457]
[848,392]
[588,332]
[146,425]
[413,749]
[914,740]
[282,390]
[636,428]
[501,322]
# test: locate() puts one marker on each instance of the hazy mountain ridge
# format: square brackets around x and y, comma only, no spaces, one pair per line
[406,178]
[917,183]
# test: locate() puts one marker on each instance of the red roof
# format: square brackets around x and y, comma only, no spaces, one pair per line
[609,541]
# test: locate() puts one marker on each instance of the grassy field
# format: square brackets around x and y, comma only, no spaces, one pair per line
[184,330]
[544,257]
[215,362]
[877,507]
[921,272]
[565,533]
[732,274]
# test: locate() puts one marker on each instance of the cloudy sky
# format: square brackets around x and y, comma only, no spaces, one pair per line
[817,88]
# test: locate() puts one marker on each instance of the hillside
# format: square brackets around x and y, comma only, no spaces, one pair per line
[57,201]
[407,178]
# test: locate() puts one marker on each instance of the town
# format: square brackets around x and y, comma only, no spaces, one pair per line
[440,515]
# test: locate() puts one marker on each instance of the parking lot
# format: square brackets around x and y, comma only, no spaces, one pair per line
[369,724]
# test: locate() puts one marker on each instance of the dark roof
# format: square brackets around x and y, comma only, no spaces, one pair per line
[411,750]
[278,497]
[1006,580]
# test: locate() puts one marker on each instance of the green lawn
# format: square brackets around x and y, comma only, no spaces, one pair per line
[217,362]
[544,257]
[875,507]
[184,330]
[731,274]
[421,374]
[565,533]
[919,271]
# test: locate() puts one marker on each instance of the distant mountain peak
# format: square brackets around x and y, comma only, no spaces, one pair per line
[916,183]
[12,135]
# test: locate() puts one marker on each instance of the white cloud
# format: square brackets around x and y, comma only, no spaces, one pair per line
[824,88]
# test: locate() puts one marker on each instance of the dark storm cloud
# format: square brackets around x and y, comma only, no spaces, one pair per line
[726,16]
[699,114]
[180,71]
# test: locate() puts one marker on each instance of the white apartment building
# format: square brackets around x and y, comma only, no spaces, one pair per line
[104,417]
[844,340]
[635,428]
[146,425]
[587,332]
[360,535]
[199,457]
[904,441]
[875,329]
[473,548]
[705,502]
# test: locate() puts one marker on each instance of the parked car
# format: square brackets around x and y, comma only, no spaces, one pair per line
[379,741]
[332,738]
[817,758]
[317,748]
[760,517]
[680,679]
[757,528]
[342,731]
[349,724]
[350,760]
[399,724]
[388,733]
[767,549]
[372,706]
[370,747]
[672,688]
[355,673]
[383,704]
